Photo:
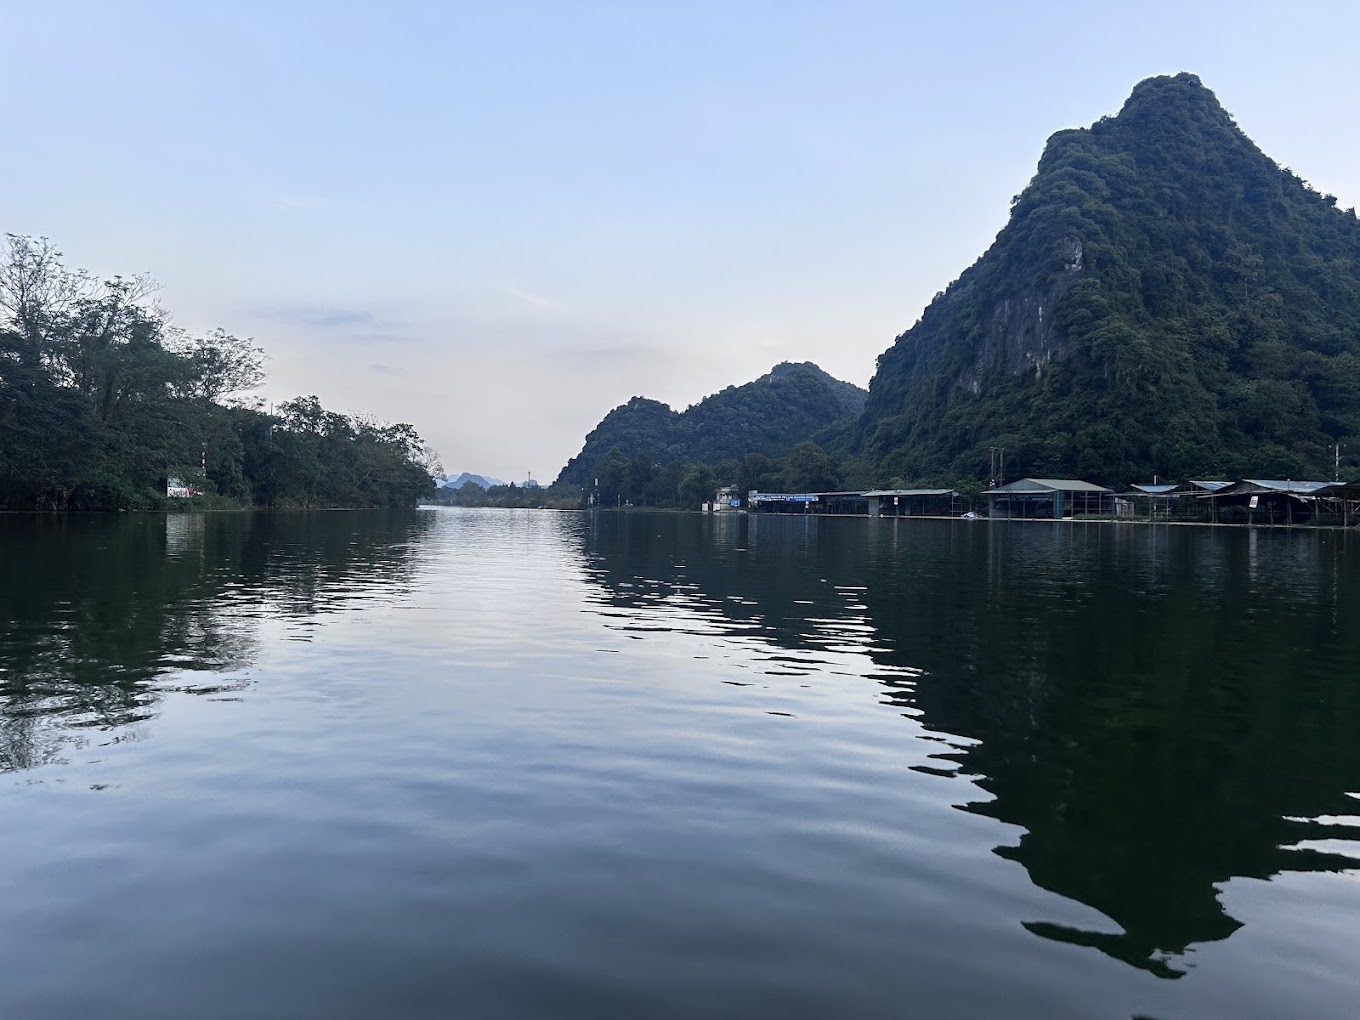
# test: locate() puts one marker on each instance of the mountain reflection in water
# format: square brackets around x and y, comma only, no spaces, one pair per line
[1159,709]
[519,764]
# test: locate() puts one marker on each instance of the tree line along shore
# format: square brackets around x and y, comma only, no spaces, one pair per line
[105,405]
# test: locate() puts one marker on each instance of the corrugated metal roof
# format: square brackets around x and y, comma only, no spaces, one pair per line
[1045,485]
[1247,486]
[1286,486]
[761,497]
[1152,490]
[912,492]
[1210,486]
[1340,489]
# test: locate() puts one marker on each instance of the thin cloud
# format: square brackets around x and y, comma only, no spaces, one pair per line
[319,316]
[520,293]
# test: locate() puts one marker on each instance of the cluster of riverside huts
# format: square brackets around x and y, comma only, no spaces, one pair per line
[1246,501]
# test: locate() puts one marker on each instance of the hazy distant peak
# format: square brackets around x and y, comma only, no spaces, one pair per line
[457,482]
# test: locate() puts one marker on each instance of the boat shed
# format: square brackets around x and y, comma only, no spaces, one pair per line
[1136,490]
[1347,494]
[1049,499]
[912,502]
[1173,500]
[1266,501]
[807,502]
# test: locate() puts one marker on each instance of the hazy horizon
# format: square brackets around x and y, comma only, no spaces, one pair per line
[497,223]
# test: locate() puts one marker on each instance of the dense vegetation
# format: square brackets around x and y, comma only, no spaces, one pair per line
[770,416]
[1165,299]
[508,494]
[102,400]
[639,482]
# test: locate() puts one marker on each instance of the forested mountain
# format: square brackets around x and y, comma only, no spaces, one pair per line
[1164,299]
[102,400]
[770,416]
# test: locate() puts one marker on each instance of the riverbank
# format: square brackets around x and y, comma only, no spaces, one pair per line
[1138,521]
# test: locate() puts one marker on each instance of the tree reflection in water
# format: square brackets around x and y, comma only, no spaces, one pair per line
[101,615]
[1159,709]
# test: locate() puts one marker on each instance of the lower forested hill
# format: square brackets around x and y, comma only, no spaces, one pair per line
[1165,299]
[770,416]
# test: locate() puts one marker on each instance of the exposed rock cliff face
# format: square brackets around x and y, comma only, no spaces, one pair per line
[1020,339]
[1164,299]
[1010,332]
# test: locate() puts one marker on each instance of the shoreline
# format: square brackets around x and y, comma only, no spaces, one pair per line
[1137,521]
[213,510]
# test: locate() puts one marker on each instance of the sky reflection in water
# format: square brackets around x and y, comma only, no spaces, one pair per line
[523,764]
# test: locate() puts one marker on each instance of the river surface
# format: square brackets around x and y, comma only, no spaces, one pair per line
[511,764]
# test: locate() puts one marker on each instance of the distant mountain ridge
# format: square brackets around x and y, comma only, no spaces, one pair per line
[1165,299]
[485,481]
[771,415]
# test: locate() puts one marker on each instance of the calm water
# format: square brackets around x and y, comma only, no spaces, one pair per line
[513,764]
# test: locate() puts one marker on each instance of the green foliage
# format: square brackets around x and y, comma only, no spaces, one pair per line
[637,483]
[809,468]
[769,416]
[554,497]
[1164,300]
[101,402]
[697,485]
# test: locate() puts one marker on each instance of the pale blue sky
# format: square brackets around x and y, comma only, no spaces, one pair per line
[498,220]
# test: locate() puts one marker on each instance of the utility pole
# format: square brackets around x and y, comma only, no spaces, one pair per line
[997,465]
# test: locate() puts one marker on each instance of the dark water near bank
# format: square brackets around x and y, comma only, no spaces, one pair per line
[516,764]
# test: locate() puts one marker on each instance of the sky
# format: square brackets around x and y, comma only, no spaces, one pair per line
[498,220]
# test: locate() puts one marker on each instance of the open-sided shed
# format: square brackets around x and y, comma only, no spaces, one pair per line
[1267,501]
[1344,496]
[807,502]
[912,502]
[1049,499]
[1173,500]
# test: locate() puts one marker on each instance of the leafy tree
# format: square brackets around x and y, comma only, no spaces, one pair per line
[220,364]
[611,477]
[696,487]
[101,401]
[809,468]
[757,473]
